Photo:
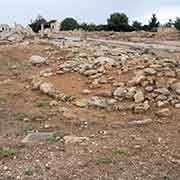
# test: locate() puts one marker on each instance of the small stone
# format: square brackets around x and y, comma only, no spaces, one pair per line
[37,60]
[81,103]
[86,91]
[150,71]
[53,103]
[46,88]
[5,168]
[139,97]
[163,91]
[141,107]
[149,88]
[74,139]
[177,106]
[141,122]
[120,92]
[164,112]
[162,103]
[90,72]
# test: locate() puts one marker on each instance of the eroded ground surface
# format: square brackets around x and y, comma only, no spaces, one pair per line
[98,111]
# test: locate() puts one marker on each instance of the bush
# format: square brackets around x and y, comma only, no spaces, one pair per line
[177,23]
[153,23]
[118,22]
[137,26]
[69,24]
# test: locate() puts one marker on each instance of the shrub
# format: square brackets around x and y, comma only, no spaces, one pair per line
[103,160]
[7,152]
[69,24]
[118,22]
[137,26]
[153,23]
[177,23]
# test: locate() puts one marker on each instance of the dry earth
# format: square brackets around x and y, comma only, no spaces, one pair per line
[90,111]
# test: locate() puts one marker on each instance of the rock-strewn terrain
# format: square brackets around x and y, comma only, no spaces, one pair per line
[83,109]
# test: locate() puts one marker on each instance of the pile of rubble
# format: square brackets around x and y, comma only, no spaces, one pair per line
[17,34]
[155,82]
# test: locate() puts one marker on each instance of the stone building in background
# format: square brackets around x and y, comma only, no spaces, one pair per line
[55,27]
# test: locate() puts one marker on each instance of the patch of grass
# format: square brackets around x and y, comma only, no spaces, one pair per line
[7,152]
[120,151]
[42,103]
[27,127]
[103,160]
[20,116]
[146,51]
[28,172]
[55,137]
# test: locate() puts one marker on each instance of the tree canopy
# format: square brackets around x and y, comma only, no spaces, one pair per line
[137,26]
[154,23]
[118,22]
[69,24]
[177,23]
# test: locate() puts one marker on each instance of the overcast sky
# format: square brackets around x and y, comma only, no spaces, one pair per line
[97,11]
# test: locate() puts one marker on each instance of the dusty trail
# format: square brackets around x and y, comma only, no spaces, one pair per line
[163,45]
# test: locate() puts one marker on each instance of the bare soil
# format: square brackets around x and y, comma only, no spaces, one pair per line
[115,150]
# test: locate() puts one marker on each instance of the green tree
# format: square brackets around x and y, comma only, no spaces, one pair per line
[137,26]
[69,24]
[84,26]
[154,23]
[177,23]
[118,22]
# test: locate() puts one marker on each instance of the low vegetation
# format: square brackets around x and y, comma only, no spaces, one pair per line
[103,160]
[27,127]
[20,116]
[120,151]
[54,138]
[7,152]
[28,172]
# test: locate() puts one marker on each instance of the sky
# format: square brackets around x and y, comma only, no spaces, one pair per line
[91,11]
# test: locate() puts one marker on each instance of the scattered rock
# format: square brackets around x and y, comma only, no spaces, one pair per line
[164,112]
[74,139]
[139,97]
[120,92]
[36,137]
[140,122]
[38,60]
[46,88]
[149,71]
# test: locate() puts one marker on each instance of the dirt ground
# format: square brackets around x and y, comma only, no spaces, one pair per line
[115,149]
